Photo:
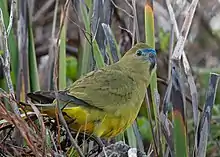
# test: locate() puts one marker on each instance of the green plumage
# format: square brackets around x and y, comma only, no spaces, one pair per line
[111,96]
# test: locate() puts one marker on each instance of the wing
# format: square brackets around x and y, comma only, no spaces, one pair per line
[104,89]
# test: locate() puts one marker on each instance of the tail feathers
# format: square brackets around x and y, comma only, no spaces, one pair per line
[49,96]
[44,97]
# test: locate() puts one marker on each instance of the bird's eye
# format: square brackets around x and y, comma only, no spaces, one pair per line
[139,53]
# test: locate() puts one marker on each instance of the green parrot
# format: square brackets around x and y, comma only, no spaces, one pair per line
[106,101]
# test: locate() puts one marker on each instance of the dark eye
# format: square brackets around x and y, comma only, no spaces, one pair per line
[139,53]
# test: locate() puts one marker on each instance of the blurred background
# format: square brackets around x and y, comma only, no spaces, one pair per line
[202,46]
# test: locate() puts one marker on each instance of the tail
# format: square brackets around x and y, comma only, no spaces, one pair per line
[48,97]
[44,97]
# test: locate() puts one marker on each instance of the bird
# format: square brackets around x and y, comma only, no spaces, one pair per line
[106,101]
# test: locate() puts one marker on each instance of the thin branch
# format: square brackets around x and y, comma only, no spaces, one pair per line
[66,6]
[126,1]
[134,24]
[119,8]
[42,10]
[137,34]
[6,60]
[178,51]
[80,28]
[13,5]
[126,30]
[52,46]
[171,43]
[55,76]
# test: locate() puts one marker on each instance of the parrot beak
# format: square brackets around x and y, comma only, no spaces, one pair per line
[153,60]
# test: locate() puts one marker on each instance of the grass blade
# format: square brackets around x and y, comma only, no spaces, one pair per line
[23,74]
[86,62]
[131,137]
[33,71]
[97,30]
[97,55]
[178,114]
[204,125]
[62,53]
[115,54]
[150,40]
[149,24]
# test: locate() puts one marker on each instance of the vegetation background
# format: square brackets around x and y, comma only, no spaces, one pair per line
[47,45]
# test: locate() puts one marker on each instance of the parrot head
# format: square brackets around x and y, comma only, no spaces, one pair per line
[147,55]
[140,60]
[141,56]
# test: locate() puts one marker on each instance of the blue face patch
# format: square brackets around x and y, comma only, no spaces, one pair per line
[149,50]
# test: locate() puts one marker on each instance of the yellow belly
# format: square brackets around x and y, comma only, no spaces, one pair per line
[98,123]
